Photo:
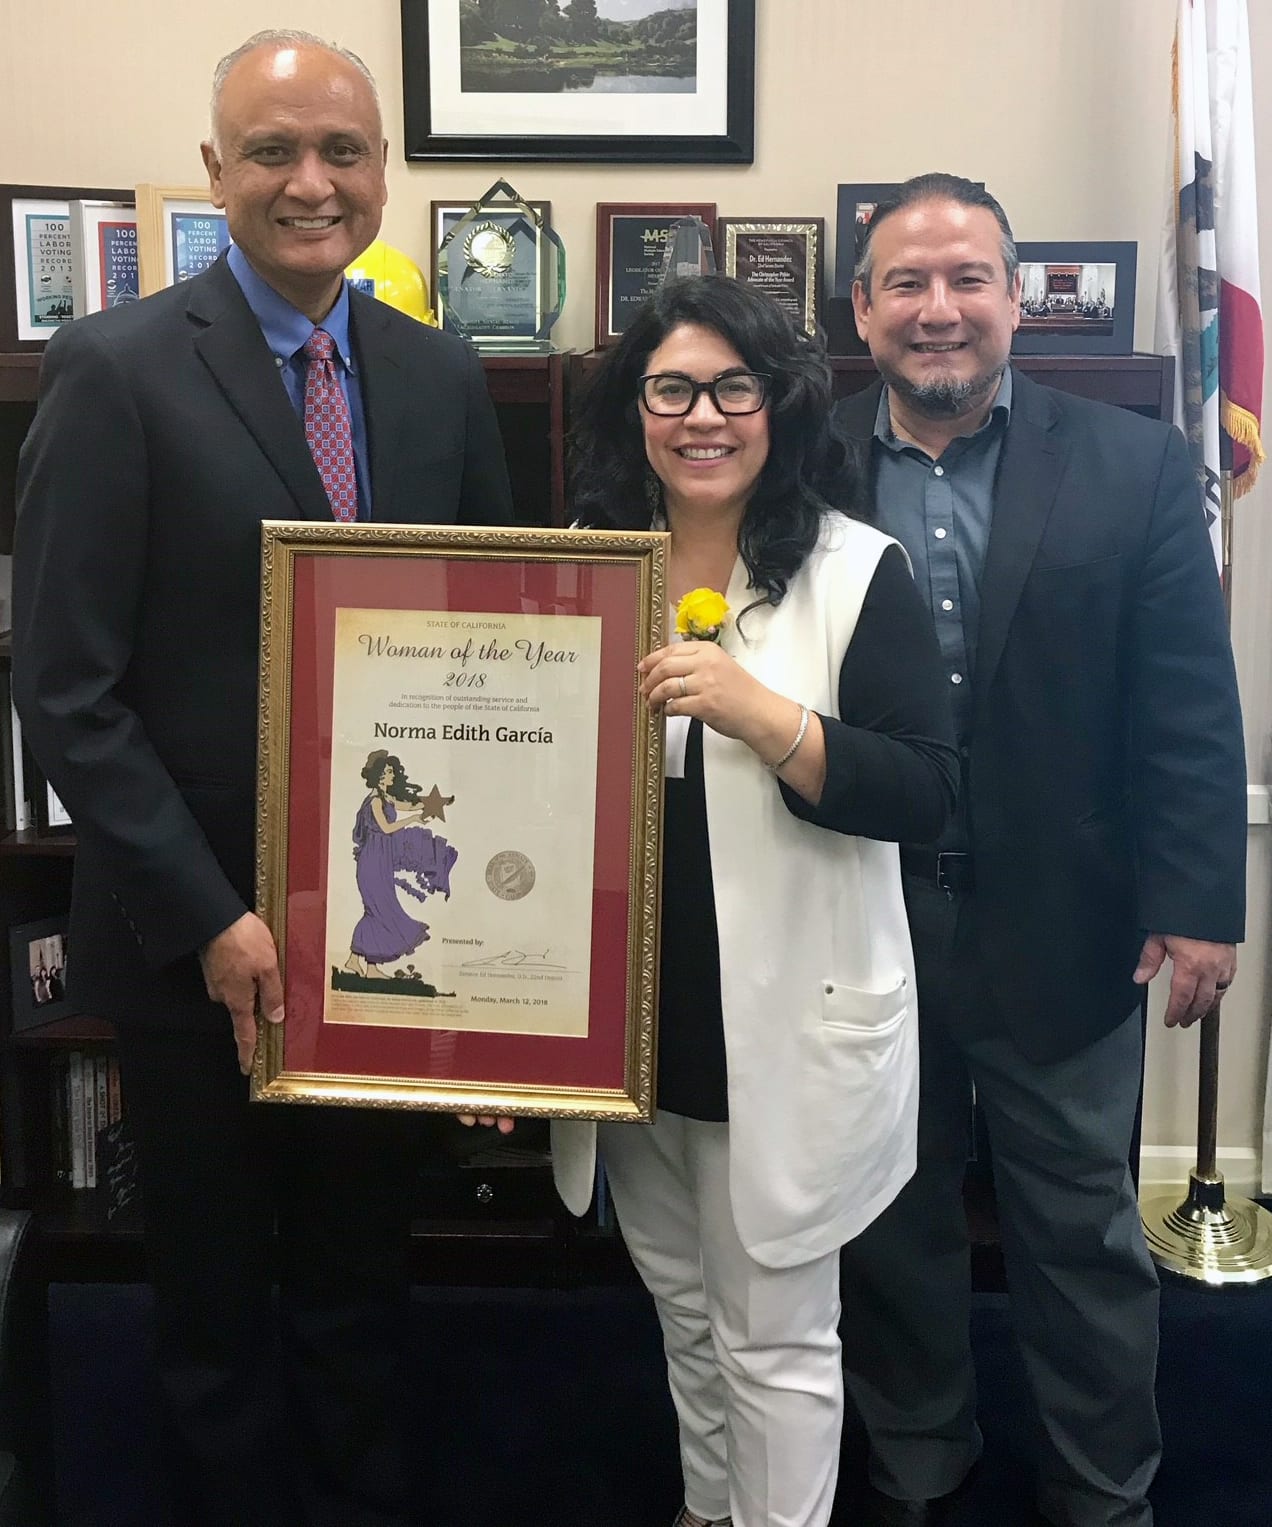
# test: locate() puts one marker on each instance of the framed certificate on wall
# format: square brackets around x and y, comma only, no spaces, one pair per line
[458,817]
[179,234]
[37,272]
[784,257]
[631,242]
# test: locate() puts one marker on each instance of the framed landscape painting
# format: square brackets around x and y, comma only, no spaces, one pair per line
[608,81]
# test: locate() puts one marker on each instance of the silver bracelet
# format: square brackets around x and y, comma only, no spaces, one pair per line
[794,747]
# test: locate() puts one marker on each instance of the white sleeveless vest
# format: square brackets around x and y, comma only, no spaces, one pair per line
[816,971]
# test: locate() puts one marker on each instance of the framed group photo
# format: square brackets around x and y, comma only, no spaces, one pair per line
[37,271]
[37,966]
[1076,298]
[606,81]
[458,817]
[854,207]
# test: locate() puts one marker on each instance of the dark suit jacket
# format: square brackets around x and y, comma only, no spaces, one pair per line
[1106,774]
[163,438]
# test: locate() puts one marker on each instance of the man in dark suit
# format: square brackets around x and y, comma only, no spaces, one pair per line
[1062,546]
[166,432]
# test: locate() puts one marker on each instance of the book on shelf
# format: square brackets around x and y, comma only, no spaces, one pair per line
[114,1099]
[90,1120]
[29,800]
[85,1107]
[75,1113]
[60,1105]
[101,1066]
[19,813]
[8,738]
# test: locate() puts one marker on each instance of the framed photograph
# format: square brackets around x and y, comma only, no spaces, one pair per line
[631,241]
[518,252]
[783,256]
[50,814]
[179,234]
[606,81]
[37,282]
[853,210]
[37,966]
[1076,298]
[458,817]
[103,255]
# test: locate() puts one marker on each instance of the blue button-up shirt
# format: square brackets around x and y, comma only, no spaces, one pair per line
[286,333]
[941,512]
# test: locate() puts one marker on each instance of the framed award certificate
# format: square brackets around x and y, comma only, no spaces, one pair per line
[37,281]
[179,234]
[631,244]
[780,256]
[458,817]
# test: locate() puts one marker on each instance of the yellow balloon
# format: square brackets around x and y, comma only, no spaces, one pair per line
[386,273]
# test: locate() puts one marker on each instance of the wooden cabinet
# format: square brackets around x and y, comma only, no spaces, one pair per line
[493,1217]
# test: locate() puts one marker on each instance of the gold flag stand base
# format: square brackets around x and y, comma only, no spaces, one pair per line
[1208,1238]
[1215,1241]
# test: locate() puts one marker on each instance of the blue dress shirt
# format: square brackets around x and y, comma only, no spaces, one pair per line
[286,333]
[941,512]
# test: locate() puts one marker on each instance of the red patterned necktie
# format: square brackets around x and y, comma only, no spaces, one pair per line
[328,428]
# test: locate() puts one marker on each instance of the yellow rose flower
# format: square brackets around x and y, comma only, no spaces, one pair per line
[700,615]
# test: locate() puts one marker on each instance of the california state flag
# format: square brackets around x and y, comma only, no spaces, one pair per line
[1208,312]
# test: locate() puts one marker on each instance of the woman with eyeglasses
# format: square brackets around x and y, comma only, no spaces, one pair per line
[800,748]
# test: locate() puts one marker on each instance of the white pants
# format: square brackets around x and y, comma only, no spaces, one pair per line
[753,1354]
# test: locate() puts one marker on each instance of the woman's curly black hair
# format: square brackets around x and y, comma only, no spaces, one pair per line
[611,479]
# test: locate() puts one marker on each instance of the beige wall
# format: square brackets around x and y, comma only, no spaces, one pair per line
[1060,109]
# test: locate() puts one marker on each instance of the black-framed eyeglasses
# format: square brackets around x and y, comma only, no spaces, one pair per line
[673,394]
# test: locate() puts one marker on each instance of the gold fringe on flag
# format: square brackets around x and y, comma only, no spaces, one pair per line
[1242,426]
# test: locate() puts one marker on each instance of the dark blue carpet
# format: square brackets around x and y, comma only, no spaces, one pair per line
[577,1428]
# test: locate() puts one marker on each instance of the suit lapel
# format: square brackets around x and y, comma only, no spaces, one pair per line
[384,399]
[233,348]
[1025,490]
[854,422]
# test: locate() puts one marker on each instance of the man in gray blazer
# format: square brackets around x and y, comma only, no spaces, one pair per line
[166,432]
[1062,548]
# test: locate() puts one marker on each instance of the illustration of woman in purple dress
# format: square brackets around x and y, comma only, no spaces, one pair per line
[391,858]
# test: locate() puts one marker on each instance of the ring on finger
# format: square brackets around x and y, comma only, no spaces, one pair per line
[684,688]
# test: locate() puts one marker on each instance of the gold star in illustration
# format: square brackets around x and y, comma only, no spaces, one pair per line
[434,804]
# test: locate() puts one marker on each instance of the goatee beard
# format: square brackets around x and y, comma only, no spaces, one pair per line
[944,397]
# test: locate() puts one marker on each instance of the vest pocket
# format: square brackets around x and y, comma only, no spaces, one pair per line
[865,1012]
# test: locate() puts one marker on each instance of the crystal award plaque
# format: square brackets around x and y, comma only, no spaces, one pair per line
[501,275]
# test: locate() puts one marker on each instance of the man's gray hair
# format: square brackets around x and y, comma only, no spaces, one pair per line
[281,37]
[937,187]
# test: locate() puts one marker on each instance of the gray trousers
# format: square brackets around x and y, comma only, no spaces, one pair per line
[1082,1287]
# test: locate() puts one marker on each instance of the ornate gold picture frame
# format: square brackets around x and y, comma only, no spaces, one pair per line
[458,817]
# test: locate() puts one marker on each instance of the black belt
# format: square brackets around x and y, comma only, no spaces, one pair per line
[949,872]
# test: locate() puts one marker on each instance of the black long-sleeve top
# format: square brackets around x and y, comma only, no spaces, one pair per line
[891,774]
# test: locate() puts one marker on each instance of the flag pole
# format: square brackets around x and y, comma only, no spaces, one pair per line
[1209,1237]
